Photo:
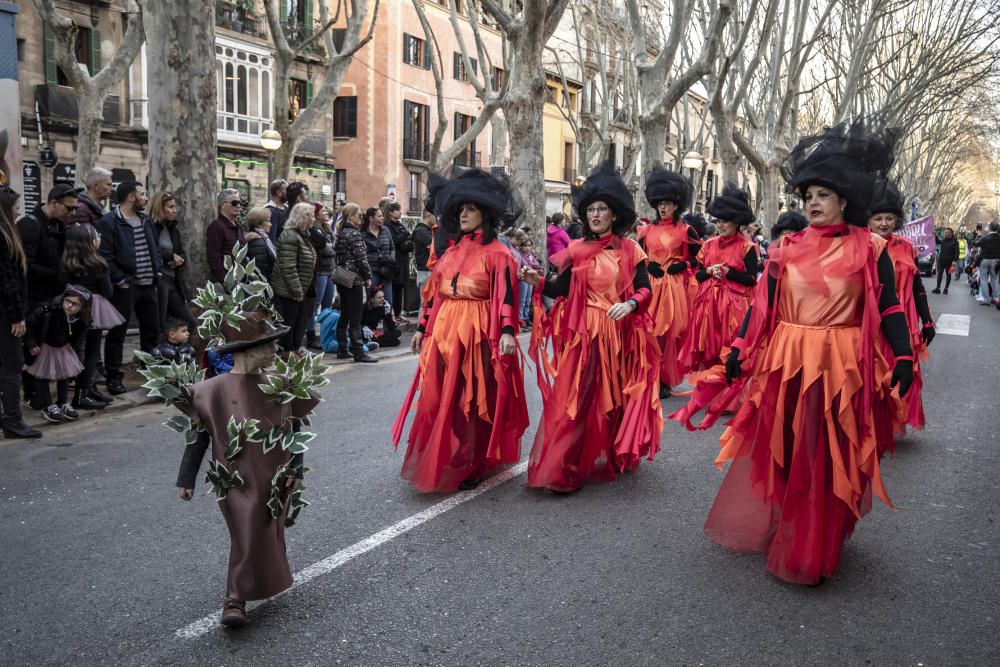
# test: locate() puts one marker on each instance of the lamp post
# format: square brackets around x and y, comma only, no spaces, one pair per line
[270,141]
[692,162]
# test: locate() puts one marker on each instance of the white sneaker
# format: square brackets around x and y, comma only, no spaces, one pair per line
[68,413]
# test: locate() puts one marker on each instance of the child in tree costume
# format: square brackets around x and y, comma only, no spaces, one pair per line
[253,419]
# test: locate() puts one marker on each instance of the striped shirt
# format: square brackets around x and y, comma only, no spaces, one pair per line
[143,261]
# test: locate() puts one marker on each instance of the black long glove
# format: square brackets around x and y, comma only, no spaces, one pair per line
[655,269]
[927,335]
[734,367]
[676,268]
[902,375]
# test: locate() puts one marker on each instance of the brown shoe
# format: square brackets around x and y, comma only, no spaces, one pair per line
[234,613]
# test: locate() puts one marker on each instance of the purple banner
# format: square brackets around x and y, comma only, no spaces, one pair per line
[920,233]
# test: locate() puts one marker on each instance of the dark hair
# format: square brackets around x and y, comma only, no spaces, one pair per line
[557,218]
[8,232]
[276,186]
[173,324]
[125,188]
[393,206]
[368,216]
[80,256]
[488,227]
[295,189]
[619,226]
[76,292]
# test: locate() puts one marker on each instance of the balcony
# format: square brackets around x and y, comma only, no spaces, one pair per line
[236,21]
[418,151]
[60,102]
[468,158]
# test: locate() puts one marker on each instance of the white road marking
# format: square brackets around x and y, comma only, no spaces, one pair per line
[952,325]
[331,563]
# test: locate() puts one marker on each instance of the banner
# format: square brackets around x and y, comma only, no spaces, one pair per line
[920,233]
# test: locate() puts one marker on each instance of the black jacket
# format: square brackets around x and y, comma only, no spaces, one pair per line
[949,251]
[422,238]
[175,241]
[352,253]
[381,253]
[261,253]
[325,251]
[44,240]
[95,281]
[279,216]
[402,239]
[48,324]
[989,246]
[575,230]
[168,352]
[118,246]
[13,287]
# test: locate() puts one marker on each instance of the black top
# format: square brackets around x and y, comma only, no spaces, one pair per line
[43,240]
[989,246]
[48,324]
[13,287]
[95,281]
[560,286]
[422,238]
[949,251]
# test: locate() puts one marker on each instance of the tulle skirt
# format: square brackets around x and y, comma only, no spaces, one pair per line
[802,471]
[55,363]
[103,315]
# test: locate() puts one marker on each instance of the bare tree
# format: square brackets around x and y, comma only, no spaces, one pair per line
[338,58]
[663,78]
[91,90]
[182,148]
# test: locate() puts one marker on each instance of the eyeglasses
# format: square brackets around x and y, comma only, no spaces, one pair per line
[597,210]
[235,202]
[68,207]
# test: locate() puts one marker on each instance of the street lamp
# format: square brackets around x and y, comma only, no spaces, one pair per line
[692,162]
[270,141]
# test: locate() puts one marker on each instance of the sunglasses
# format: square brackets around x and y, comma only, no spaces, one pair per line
[68,207]
[235,202]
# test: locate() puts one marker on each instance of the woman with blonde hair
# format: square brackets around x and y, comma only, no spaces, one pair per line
[260,247]
[292,280]
[170,290]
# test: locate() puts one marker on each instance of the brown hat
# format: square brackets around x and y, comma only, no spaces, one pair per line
[255,329]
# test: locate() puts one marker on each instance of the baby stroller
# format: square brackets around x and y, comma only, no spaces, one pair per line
[973,280]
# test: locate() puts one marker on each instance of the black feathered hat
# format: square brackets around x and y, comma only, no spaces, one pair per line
[665,185]
[495,196]
[789,221]
[697,222]
[732,204]
[847,158]
[606,185]
[887,199]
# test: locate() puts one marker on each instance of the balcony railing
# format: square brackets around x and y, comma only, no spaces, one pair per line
[416,150]
[468,159]
[246,25]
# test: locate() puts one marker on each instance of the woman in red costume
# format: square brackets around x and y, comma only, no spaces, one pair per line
[672,246]
[601,409]
[805,444]
[471,411]
[885,217]
[727,275]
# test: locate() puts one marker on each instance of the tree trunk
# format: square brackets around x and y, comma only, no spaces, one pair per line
[770,190]
[88,140]
[524,124]
[498,139]
[182,149]
[653,135]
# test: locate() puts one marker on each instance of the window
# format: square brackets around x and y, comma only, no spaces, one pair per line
[345,116]
[416,131]
[458,69]
[298,97]
[415,196]
[87,49]
[498,78]
[340,184]
[415,52]
[468,157]
[244,84]
[339,35]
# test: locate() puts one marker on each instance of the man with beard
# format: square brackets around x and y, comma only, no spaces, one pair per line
[128,245]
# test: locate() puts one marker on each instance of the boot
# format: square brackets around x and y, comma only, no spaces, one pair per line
[83,401]
[10,398]
[363,357]
[115,386]
[234,613]
[312,342]
[93,393]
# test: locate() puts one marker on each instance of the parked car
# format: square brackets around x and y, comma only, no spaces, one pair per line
[926,264]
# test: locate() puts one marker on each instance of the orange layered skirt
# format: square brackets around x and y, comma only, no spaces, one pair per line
[670,309]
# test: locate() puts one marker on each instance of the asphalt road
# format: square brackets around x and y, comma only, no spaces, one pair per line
[102,564]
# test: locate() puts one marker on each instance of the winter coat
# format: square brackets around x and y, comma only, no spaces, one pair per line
[989,247]
[556,239]
[352,253]
[43,240]
[175,241]
[325,251]
[13,287]
[95,281]
[48,324]
[220,237]
[381,253]
[262,253]
[422,238]
[118,246]
[167,352]
[89,212]
[278,218]
[293,269]
[402,240]
[949,251]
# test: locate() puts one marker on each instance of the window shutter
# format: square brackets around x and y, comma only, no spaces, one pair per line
[284,11]
[457,66]
[475,66]
[407,123]
[427,129]
[51,69]
[307,15]
[352,116]
[427,55]
[406,48]
[309,92]
[458,125]
[95,51]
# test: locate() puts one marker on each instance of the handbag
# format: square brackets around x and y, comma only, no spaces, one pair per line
[344,277]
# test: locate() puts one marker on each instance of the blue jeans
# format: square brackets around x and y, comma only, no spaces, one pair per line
[526,290]
[326,290]
[989,280]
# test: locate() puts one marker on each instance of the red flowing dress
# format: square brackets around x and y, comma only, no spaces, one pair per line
[668,242]
[904,262]
[805,446]
[471,411]
[600,391]
[720,304]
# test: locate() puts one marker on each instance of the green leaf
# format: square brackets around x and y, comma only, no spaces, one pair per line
[178,423]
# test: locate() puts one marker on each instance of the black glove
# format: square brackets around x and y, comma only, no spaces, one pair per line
[655,269]
[902,375]
[676,268]
[733,366]
[927,335]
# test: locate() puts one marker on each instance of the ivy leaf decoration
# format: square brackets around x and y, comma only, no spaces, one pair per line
[178,423]
[221,479]
[295,443]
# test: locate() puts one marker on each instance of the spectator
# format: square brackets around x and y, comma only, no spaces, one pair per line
[374,314]
[170,288]
[963,250]
[292,280]
[527,257]
[13,302]
[175,348]
[557,239]
[91,208]
[223,234]
[260,247]
[297,193]
[82,265]
[423,238]
[789,222]
[323,241]
[947,254]
[989,258]
[403,243]
[710,230]
[574,230]
[54,331]
[43,237]
[277,207]
[128,245]
[381,255]
[352,256]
